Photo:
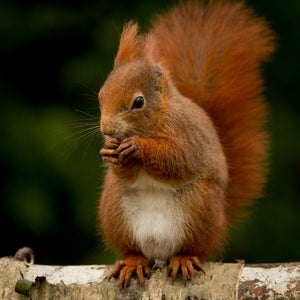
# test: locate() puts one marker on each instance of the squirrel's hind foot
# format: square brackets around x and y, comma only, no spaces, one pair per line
[187,264]
[133,264]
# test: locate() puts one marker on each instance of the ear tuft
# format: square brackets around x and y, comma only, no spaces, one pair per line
[130,47]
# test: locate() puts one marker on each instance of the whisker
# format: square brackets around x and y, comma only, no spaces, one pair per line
[90,140]
[87,130]
[94,92]
[84,135]
[85,124]
[86,114]
[136,131]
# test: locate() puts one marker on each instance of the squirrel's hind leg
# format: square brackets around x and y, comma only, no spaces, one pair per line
[133,264]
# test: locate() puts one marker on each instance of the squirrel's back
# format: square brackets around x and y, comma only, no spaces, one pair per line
[214,53]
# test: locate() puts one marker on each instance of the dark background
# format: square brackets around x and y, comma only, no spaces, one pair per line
[54,57]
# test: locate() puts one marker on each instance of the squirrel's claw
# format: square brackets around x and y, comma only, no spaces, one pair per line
[111,143]
[108,152]
[111,159]
[117,153]
[116,271]
[133,264]
[128,147]
[187,264]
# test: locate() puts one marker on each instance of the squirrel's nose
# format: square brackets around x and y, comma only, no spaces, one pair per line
[109,131]
[107,127]
[113,127]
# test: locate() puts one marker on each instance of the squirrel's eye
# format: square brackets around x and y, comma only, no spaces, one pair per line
[138,102]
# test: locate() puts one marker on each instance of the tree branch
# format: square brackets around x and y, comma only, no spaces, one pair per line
[222,281]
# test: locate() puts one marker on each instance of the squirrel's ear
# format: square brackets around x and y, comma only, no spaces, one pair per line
[151,55]
[130,44]
[158,78]
[157,70]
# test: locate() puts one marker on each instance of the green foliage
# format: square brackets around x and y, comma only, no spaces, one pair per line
[55,56]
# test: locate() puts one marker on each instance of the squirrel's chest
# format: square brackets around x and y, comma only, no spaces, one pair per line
[155,218]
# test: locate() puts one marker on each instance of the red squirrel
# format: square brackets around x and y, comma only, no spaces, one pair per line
[183,120]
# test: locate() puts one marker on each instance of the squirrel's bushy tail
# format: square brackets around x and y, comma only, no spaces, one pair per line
[213,53]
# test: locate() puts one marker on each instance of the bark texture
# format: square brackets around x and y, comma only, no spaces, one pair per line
[222,281]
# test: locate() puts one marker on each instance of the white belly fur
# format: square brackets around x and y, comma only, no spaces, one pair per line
[155,218]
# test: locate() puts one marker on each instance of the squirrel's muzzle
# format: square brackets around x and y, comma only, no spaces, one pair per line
[113,127]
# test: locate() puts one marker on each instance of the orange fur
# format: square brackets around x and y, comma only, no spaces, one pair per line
[198,136]
[220,70]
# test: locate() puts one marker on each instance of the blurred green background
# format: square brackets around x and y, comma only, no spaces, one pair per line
[54,57]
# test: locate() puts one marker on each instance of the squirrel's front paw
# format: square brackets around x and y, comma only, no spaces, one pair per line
[119,153]
[128,149]
[109,152]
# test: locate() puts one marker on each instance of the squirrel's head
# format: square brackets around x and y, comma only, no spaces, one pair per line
[132,98]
